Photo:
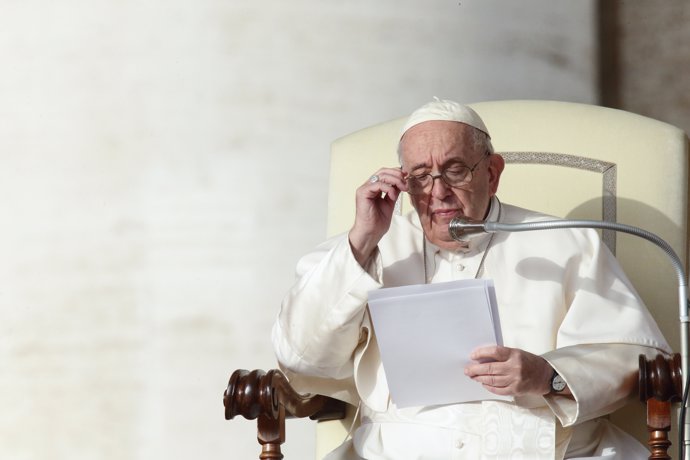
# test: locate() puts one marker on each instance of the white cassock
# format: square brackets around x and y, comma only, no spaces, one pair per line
[561,295]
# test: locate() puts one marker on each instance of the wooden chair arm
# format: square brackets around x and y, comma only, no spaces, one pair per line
[269,397]
[660,384]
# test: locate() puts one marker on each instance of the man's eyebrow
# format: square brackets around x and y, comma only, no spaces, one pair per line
[452,162]
[419,166]
[444,165]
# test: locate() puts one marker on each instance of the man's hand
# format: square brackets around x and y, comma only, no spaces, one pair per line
[510,371]
[374,204]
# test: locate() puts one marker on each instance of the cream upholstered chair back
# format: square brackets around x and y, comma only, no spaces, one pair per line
[570,160]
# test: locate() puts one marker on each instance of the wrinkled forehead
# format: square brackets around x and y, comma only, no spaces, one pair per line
[438,141]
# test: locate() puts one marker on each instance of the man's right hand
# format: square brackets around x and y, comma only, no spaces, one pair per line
[374,206]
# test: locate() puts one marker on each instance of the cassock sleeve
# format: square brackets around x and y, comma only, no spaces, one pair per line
[319,323]
[601,377]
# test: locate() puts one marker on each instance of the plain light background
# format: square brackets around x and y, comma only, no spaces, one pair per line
[163,165]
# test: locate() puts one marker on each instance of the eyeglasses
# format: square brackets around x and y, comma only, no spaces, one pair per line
[455,176]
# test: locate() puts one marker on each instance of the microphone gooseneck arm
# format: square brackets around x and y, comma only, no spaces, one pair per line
[460,228]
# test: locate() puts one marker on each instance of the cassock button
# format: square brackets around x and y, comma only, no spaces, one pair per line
[459,444]
[460,267]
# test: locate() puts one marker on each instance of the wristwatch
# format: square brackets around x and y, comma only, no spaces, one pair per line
[557,382]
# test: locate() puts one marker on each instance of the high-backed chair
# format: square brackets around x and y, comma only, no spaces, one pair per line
[570,160]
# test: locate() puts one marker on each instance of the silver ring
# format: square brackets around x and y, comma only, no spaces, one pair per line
[374,179]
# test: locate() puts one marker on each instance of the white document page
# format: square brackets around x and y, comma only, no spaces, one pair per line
[426,334]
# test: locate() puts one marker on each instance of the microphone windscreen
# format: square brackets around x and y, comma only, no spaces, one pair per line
[462,229]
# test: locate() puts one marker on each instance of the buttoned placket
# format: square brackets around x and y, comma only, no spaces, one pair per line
[448,266]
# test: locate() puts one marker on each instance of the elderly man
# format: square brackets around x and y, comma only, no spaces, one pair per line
[572,324]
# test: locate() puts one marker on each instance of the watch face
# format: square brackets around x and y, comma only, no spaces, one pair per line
[557,383]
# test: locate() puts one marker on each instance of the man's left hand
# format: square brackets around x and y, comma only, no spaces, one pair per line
[510,371]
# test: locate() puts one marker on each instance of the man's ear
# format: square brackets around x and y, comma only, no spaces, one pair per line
[496,165]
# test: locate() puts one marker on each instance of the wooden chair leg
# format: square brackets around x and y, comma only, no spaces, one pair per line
[271,435]
[659,425]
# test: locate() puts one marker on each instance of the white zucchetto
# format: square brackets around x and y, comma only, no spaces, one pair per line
[443,110]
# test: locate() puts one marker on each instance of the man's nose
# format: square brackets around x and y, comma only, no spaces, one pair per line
[439,188]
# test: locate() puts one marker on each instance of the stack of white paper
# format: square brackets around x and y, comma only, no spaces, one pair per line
[426,334]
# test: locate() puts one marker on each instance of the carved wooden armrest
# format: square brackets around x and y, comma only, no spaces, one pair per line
[269,397]
[660,383]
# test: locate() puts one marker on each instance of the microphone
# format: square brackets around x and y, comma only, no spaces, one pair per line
[461,228]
